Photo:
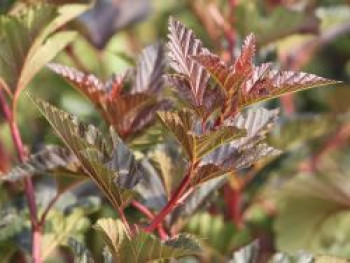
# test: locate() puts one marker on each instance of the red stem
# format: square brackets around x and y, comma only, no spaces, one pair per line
[28,184]
[144,210]
[233,199]
[173,202]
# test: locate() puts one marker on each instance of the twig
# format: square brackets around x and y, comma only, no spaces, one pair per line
[28,184]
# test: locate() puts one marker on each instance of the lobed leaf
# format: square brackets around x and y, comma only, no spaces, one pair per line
[92,150]
[245,84]
[143,247]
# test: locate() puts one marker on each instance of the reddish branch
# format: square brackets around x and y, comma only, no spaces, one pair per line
[174,200]
[28,184]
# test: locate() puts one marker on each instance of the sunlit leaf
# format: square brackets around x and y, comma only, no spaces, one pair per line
[61,228]
[182,46]
[128,112]
[245,83]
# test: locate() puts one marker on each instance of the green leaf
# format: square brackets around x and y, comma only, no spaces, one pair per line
[178,124]
[208,142]
[196,146]
[28,41]
[218,235]
[143,247]
[91,148]
[45,53]
[307,203]
[60,227]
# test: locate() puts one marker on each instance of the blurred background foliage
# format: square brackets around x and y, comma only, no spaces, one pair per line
[300,200]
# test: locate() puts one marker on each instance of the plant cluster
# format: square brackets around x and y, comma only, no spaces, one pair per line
[181,126]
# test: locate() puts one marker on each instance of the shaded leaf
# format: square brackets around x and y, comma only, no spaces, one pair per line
[50,159]
[107,17]
[216,233]
[81,253]
[195,200]
[151,188]
[150,70]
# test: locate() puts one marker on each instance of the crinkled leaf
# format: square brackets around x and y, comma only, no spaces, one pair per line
[88,84]
[143,247]
[150,70]
[127,112]
[246,84]
[244,152]
[207,172]
[124,163]
[50,159]
[182,46]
